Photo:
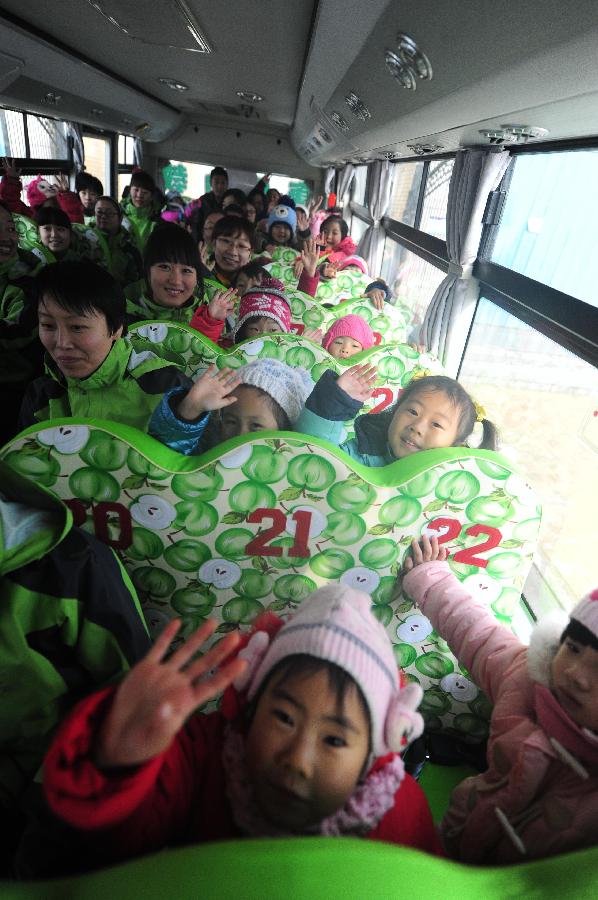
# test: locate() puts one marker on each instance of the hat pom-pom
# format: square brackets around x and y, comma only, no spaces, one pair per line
[403,723]
[253,653]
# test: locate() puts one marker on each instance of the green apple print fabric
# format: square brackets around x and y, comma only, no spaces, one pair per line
[260,522]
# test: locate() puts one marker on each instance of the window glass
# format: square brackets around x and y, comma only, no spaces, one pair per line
[126,156]
[124,178]
[359,185]
[433,217]
[403,204]
[548,226]
[12,130]
[411,279]
[47,138]
[544,401]
[97,158]
[358,228]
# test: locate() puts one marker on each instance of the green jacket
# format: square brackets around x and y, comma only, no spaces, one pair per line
[120,256]
[18,316]
[139,221]
[70,622]
[126,388]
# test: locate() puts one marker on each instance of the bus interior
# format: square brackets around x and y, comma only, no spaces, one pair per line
[460,141]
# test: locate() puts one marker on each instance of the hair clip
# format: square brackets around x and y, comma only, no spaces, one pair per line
[480,411]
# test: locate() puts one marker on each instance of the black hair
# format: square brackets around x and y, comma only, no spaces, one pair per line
[114,203]
[255,193]
[143,180]
[83,288]
[169,242]
[460,399]
[5,207]
[580,634]
[52,215]
[86,182]
[339,681]
[218,170]
[233,226]
[283,423]
[238,195]
[233,209]
[329,220]
[255,268]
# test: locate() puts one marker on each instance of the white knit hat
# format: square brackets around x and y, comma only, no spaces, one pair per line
[586,612]
[289,387]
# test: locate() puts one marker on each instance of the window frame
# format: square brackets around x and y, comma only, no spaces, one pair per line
[34,166]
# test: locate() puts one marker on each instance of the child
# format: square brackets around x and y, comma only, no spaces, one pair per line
[539,796]
[55,232]
[336,242]
[89,189]
[92,369]
[268,396]
[281,225]
[263,310]
[307,741]
[431,412]
[232,240]
[40,192]
[172,289]
[121,256]
[141,208]
[251,275]
[348,336]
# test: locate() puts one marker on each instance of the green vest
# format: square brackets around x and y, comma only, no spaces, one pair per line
[141,307]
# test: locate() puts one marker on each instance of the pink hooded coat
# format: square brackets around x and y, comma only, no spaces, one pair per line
[539,796]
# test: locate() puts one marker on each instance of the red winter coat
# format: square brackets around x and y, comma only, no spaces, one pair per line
[203,322]
[347,247]
[68,201]
[179,797]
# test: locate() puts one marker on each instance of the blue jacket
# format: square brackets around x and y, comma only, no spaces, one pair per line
[178,434]
[324,414]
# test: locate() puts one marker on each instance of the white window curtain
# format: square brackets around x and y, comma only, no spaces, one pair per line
[137,152]
[329,180]
[449,315]
[75,136]
[371,246]
[345,177]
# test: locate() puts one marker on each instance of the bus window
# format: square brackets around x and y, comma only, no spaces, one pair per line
[97,158]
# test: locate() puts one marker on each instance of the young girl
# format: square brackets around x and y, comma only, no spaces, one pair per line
[539,796]
[172,289]
[281,225]
[348,336]
[263,310]
[55,232]
[431,412]
[268,395]
[141,208]
[92,369]
[336,242]
[307,741]
[121,256]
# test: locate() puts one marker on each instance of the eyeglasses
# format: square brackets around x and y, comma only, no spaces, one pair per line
[102,214]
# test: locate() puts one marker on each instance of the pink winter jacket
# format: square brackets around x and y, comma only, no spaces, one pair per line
[539,796]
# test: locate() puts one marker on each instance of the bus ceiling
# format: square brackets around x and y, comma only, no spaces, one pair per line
[309,83]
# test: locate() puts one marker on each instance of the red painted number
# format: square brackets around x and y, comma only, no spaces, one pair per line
[260,546]
[387,394]
[469,554]
[377,338]
[297,329]
[453,529]
[101,523]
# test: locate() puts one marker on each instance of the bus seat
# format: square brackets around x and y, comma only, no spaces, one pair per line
[308,868]
[262,520]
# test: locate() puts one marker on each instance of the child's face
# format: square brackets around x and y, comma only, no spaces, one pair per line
[208,226]
[107,218]
[259,325]
[304,754]
[77,343]
[244,283]
[344,347]
[575,682]
[172,284]
[56,238]
[333,234]
[9,241]
[140,196]
[219,184]
[88,198]
[232,252]
[425,421]
[280,233]
[250,412]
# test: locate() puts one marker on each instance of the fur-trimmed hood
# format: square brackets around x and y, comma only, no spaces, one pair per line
[544,644]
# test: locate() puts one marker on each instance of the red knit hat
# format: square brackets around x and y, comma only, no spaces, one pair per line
[268,300]
[350,326]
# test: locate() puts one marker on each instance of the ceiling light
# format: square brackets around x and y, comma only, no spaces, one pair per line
[173,84]
[51,98]
[357,107]
[408,63]
[250,96]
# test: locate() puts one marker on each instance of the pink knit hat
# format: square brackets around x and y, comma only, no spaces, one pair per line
[350,326]
[586,612]
[35,196]
[353,261]
[267,299]
[336,624]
